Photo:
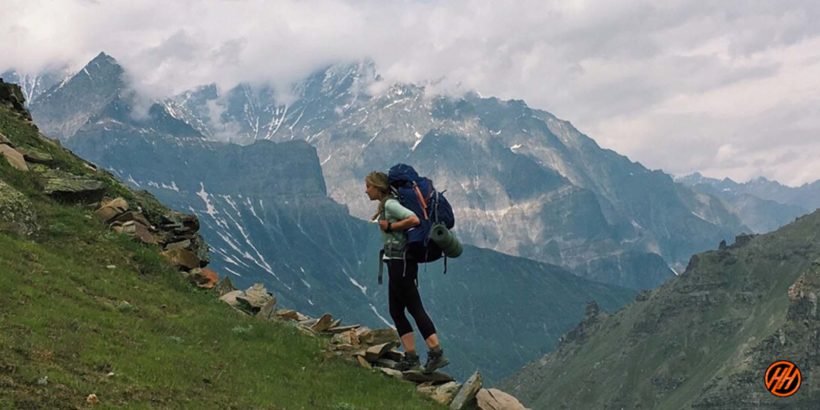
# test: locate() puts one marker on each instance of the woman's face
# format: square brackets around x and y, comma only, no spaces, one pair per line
[372,191]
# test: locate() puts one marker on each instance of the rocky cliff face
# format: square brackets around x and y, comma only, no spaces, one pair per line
[703,340]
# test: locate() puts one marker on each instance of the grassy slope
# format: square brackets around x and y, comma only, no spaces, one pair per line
[65,315]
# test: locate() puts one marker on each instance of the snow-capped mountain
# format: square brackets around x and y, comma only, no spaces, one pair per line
[522,181]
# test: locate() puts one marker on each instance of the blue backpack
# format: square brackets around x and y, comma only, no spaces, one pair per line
[420,196]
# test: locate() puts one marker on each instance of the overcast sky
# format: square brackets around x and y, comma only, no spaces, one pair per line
[727,88]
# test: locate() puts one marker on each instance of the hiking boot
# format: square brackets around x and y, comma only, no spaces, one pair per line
[410,361]
[435,360]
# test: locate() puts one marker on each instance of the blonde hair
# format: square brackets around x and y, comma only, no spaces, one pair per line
[379,181]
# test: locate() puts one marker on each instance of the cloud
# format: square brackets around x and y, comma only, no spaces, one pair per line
[665,83]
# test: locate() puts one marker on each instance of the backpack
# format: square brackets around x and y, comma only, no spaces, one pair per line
[420,196]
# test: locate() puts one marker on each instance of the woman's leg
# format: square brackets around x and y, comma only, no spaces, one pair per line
[397,304]
[412,301]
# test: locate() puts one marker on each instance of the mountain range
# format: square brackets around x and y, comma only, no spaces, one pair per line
[524,182]
[289,213]
[761,204]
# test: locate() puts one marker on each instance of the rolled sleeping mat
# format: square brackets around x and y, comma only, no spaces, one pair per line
[446,240]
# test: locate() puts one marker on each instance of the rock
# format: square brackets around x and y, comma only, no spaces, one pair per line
[442,394]
[5,140]
[494,399]
[181,258]
[224,286]
[323,323]
[362,332]
[364,363]
[183,244]
[106,214]
[287,314]
[383,362]
[131,215]
[390,372]
[254,298]
[341,329]
[144,234]
[36,156]
[14,157]
[394,355]
[379,336]
[348,337]
[418,376]
[92,399]
[68,187]
[230,297]
[203,277]
[201,249]
[373,353]
[16,214]
[340,349]
[267,311]
[466,395]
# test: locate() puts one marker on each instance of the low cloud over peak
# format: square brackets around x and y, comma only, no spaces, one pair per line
[670,84]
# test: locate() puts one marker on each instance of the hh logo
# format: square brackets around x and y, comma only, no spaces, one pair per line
[783,378]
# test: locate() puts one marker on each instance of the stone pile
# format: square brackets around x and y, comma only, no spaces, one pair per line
[175,233]
[375,349]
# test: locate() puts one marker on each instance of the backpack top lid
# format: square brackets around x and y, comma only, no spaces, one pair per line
[401,174]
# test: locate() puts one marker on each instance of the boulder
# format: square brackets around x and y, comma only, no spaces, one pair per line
[379,336]
[442,394]
[391,372]
[287,314]
[183,244]
[203,277]
[364,363]
[36,156]
[373,353]
[341,329]
[68,187]
[131,215]
[383,362]
[181,258]
[266,312]
[254,298]
[324,323]
[418,376]
[230,297]
[144,234]
[494,399]
[466,395]
[14,157]
[348,337]
[16,213]
[224,286]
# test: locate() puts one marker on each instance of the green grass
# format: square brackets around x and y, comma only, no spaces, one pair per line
[138,335]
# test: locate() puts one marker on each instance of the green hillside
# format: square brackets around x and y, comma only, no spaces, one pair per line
[703,340]
[84,311]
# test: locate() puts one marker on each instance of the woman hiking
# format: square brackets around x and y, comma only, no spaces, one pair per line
[403,292]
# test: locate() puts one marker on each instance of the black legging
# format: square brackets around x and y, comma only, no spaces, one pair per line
[404,294]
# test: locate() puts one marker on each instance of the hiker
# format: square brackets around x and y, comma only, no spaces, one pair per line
[403,292]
